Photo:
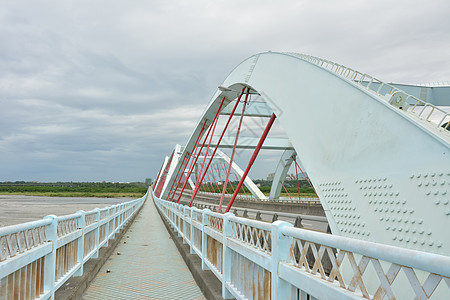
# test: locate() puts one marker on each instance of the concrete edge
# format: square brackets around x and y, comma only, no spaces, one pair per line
[75,287]
[208,283]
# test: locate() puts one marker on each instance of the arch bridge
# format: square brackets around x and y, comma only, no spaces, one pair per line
[375,154]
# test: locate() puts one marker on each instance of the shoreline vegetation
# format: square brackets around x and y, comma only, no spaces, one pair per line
[126,189]
[75,189]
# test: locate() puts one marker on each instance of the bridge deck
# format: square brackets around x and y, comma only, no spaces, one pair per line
[149,265]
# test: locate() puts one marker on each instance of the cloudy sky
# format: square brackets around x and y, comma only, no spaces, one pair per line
[102,90]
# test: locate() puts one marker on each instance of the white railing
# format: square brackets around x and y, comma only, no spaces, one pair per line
[37,258]
[250,198]
[388,92]
[259,260]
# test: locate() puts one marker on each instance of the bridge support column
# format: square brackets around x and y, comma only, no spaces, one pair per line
[280,252]
[226,258]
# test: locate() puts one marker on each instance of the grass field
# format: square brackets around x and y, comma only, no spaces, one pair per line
[75,189]
[113,189]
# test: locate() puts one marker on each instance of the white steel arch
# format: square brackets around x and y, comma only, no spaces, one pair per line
[381,173]
[281,171]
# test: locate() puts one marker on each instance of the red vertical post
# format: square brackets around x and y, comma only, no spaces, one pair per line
[252,160]
[215,149]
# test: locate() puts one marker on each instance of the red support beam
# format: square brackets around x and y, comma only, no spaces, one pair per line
[194,152]
[195,147]
[234,150]
[213,126]
[163,177]
[182,167]
[157,177]
[243,188]
[207,148]
[286,190]
[295,161]
[215,149]
[214,178]
[252,160]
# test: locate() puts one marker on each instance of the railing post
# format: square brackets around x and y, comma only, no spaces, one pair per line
[179,218]
[204,238]
[226,269]
[120,217]
[50,259]
[97,233]
[280,252]
[107,227]
[175,219]
[80,250]
[191,240]
[184,225]
[172,206]
[113,229]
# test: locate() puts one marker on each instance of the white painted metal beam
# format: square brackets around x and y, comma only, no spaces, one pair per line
[246,142]
[253,109]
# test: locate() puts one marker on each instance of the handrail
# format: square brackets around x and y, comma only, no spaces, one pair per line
[256,260]
[10,229]
[359,79]
[44,254]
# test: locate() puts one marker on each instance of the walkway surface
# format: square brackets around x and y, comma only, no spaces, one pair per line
[149,265]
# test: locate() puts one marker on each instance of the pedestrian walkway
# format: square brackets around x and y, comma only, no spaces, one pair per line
[145,265]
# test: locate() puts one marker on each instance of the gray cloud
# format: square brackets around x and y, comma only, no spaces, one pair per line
[103,90]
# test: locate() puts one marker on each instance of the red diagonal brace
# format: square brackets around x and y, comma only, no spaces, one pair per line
[215,149]
[212,126]
[195,147]
[233,152]
[157,177]
[182,167]
[252,160]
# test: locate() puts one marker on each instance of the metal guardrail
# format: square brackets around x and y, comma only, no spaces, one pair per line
[250,198]
[382,89]
[37,258]
[259,260]
[243,211]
